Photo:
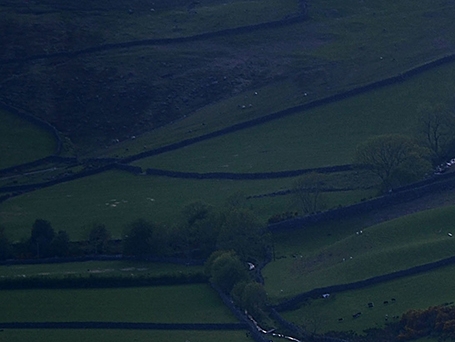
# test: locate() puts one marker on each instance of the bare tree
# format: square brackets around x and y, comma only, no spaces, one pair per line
[436,129]
[308,192]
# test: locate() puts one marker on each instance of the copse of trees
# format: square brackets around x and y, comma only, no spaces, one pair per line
[242,232]
[138,238]
[396,159]
[44,243]
[199,229]
[227,271]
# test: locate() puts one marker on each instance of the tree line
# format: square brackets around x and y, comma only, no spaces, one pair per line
[231,241]
[201,231]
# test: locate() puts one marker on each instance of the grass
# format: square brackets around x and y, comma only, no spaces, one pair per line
[322,315]
[116,198]
[160,21]
[224,113]
[22,141]
[350,48]
[160,304]
[346,257]
[14,335]
[314,138]
[90,268]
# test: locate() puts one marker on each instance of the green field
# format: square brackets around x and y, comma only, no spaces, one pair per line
[324,136]
[340,46]
[116,198]
[96,268]
[22,141]
[160,304]
[416,292]
[347,256]
[402,43]
[14,335]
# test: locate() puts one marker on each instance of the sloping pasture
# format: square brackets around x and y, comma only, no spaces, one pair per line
[25,335]
[315,56]
[344,255]
[116,24]
[415,292]
[116,198]
[323,136]
[22,141]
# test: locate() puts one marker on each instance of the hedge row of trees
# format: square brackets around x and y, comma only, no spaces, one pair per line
[201,231]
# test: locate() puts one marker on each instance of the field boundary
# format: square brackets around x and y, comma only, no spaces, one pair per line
[400,195]
[252,175]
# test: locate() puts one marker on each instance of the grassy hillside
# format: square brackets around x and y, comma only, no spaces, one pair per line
[388,247]
[416,292]
[124,92]
[122,101]
[116,198]
[323,136]
[22,141]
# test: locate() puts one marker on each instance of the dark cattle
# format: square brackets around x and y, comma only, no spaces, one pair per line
[340,319]
[386,302]
[370,305]
[393,300]
[357,315]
